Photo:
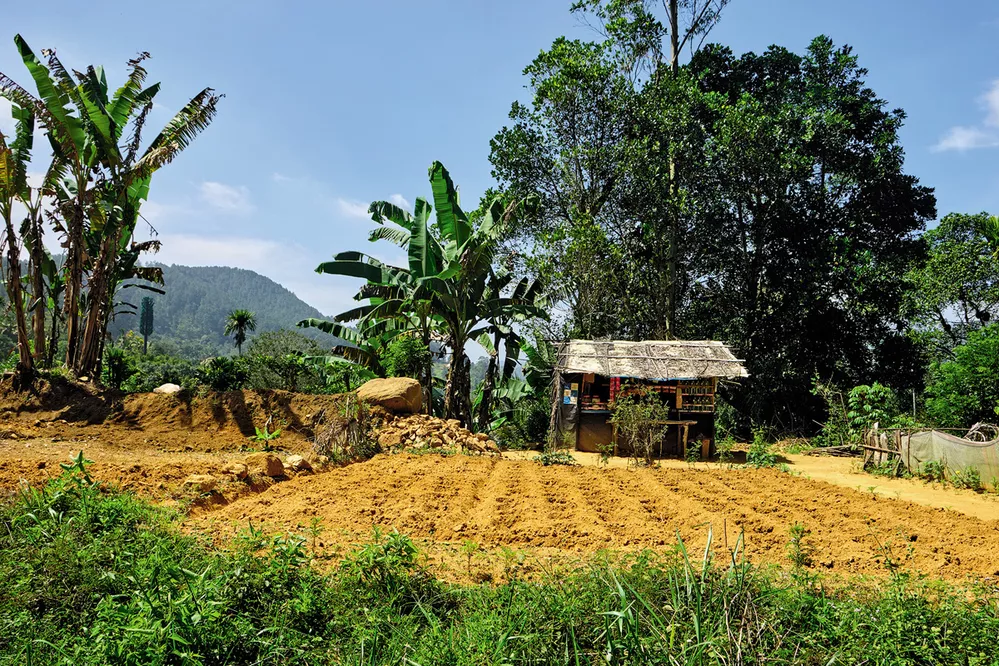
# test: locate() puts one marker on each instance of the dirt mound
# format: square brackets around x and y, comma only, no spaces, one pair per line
[420,431]
[574,511]
[204,422]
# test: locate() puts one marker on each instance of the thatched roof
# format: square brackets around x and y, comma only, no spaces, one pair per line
[651,359]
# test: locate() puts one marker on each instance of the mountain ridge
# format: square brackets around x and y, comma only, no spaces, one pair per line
[198,299]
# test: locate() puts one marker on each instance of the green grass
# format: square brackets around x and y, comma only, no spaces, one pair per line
[96,576]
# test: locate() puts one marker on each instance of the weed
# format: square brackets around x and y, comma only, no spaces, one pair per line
[967,478]
[469,548]
[725,448]
[548,458]
[693,453]
[799,552]
[760,452]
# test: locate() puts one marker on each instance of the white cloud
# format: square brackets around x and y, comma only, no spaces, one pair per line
[226,198]
[986,135]
[354,209]
[400,201]
[280,178]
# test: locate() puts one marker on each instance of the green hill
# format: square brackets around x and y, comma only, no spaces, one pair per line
[190,316]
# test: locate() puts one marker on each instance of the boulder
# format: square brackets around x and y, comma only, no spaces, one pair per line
[201,483]
[298,463]
[168,389]
[238,470]
[264,464]
[397,394]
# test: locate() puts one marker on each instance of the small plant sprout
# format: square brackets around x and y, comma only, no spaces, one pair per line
[265,435]
[469,548]
[798,550]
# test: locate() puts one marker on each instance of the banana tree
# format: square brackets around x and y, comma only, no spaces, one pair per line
[990,229]
[393,294]
[448,285]
[104,177]
[13,182]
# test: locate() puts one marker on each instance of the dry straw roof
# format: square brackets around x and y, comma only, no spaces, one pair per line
[651,359]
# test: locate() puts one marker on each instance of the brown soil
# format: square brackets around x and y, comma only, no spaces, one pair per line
[576,511]
[151,443]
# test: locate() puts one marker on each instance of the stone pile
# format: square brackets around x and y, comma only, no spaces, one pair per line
[420,431]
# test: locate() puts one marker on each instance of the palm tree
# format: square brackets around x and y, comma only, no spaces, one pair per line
[237,324]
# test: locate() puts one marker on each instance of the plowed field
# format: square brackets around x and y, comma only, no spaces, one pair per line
[150,444]
[581,510]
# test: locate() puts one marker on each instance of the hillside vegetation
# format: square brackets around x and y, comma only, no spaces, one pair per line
[198,299]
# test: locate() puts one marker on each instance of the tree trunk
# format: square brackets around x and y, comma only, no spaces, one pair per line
[427,382]
[37,287]
[674,231]
[483,417]
[74,279]
[25,366]
[456,399]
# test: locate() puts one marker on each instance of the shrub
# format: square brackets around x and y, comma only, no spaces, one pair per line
[932,470]
[639,420]
[224,373]
[548,458]
[967,478]
[118,367]
[153,371]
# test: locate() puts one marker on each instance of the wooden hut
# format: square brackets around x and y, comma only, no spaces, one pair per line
[591,375]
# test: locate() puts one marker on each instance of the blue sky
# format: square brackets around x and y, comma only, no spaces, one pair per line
[332,105]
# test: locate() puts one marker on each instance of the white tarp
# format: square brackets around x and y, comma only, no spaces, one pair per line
[953,452]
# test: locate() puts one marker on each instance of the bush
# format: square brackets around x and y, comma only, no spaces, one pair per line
[639,423]
[964,391]
[153,371]
[967,478]
[224,373]
[932,470]
[406,356]
[760,452]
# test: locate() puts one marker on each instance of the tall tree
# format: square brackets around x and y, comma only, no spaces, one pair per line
[956,290]
[238,324]
[809,227]
[146,321]
[652,35]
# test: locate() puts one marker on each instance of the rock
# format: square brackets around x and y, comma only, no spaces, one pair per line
[238,470]
[398,394]
[390,440]
[264,464]
[202,483]
[168,389]
[298,463]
